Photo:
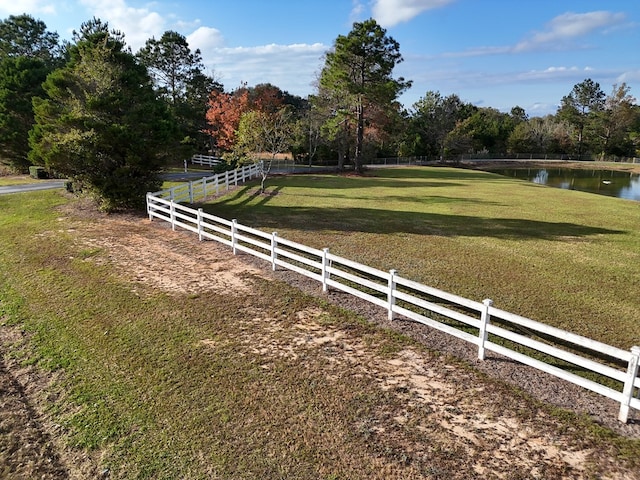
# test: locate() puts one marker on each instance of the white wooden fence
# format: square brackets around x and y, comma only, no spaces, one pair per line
[199,189]
[611,371]
[206,160]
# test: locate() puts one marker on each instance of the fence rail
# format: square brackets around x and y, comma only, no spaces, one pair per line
[207,160]
[611,371]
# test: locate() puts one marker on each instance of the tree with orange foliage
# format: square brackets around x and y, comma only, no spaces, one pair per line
[223,116]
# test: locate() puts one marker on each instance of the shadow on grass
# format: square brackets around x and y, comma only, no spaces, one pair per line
[388,222]
[388,178]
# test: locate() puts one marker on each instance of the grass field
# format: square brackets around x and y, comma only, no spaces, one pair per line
[263,381]
[565,258]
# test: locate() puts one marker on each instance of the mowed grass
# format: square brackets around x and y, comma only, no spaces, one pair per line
[191,386]
[565,258]
[162,386]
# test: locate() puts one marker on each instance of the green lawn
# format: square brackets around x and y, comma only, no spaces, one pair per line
[565,258]
[223,385]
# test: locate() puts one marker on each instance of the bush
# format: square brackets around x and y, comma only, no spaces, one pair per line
[38,172]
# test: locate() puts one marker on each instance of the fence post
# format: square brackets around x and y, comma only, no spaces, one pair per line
[234,229]
[391,298]
[217,184]
[200,224]
[226,179]
[274,255]
[172,214]
[485,318]
[325,271]
[149,207]
[190,192]
[204,188]
[627,391]
[235,177]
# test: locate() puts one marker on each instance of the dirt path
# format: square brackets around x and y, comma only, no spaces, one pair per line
[457,407]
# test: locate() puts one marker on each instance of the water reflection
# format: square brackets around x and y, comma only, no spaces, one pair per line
[603,182]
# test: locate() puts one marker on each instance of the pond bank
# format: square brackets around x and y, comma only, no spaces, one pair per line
[489,165]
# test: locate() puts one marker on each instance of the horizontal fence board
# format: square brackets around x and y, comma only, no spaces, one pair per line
[357,266]
[255,253]
[206,227]
[439,309]
[213,218]
[211,236]
[356,293]
[558,353]
[298,258]
[253,231]
[555,371]
[561,334]
[253,241]
[359,280]
[299,246]
[416,317]
[434,292]
[297,269]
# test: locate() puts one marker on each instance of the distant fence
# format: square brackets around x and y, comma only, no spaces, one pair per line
[199,189]
[389,161]
[611,371]
[206,160]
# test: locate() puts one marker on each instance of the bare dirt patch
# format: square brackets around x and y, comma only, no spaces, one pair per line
[457,407]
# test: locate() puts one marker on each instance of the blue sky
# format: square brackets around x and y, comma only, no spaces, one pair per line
[492,53]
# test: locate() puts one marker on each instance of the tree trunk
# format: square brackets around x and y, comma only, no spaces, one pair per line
[359,138]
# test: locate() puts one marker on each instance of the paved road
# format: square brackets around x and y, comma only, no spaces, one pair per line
[30,187]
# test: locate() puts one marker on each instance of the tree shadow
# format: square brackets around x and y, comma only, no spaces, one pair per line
[369,220]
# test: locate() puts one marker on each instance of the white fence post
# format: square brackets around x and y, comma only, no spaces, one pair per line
[485,318]
[172,214]
[217,184]
[149,206]
[234,229]
[274,255]
[627,392]
[325,272]
[204,188]
[391,298]
[190,192]
[200,224]
[226,179]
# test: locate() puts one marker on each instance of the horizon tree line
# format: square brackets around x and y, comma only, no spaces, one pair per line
[109,119]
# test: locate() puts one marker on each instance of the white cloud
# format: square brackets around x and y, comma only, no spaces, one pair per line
[357,10]
[138,24]
[290,67]
[630,76]
[392,12]
[569,26]
[31,7]
[205,38]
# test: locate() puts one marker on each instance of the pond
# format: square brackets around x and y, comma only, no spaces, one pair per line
[603,182]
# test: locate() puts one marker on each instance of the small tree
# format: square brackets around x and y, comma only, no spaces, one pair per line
[263,132]
[223,116]
[101,123]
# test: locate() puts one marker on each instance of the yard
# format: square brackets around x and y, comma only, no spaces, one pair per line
[131,351]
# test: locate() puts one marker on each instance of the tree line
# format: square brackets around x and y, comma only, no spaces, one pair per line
[110,119]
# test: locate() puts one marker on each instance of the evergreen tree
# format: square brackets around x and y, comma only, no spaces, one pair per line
[101,123]
[179,78]
[20,81]
[357,76]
